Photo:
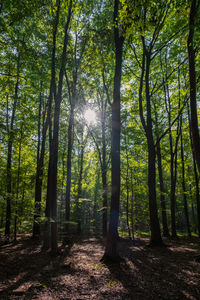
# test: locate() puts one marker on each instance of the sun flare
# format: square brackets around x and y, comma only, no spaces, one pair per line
[90,116]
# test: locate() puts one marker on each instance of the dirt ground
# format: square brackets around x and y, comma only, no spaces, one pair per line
[172,272]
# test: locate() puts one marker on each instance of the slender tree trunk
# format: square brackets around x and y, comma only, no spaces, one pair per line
[184,187]
[127,189]
[192,77]
[173,197]
[160,173]
[196,175]
[79,191]
[96,201]
[9,155]
[48,124]
[69,166]
[156,238]
[62,197]
[194,220]
[132,206]
[112,236]
[73,101]
[173,160]
[18,181]
[197,194]
[39,175]
[104,176]
[54,145]
[162,191]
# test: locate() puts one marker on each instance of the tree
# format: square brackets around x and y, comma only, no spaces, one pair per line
[9,155]
[112,236]
[53,158]
[194,11]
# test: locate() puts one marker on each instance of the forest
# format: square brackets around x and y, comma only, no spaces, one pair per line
[99,149]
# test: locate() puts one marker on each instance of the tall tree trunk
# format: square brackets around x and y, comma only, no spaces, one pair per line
[69,166]
[197,194]
[132,206]
[192,77]
[52,194]
[173,182]
[39,175]
[18,181]
[173,158]
[112,236]
[9,155]
[79,191]
[156,238]
[162,191]
[183,186]
[104,175]
[73,101]
[48,124]
[127,189]
[196,175]
[160,173]
[185,204]
[95,215]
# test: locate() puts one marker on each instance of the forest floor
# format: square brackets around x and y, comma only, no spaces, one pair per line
[172,272]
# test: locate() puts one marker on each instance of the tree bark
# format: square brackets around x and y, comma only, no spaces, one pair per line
[162,191]
[192,78]
[112,236]
[39,175]
[173,159]
[185,204]
[127,189]
[52,93]
[132,206]
[104,175]
[69,166]
[160,173]
[197,194]
[156,238]
[196,175]
[79,191]
[9,155]
[18,181]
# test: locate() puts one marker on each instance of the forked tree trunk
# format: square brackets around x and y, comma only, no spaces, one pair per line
[173,159]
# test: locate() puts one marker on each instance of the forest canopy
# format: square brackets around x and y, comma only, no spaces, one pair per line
[99,119]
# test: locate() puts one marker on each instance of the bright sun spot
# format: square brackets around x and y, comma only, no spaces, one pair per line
[90,116]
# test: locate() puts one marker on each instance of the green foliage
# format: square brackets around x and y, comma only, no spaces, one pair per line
[26,44]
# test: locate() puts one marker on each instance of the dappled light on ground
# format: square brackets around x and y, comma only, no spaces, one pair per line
[77,273]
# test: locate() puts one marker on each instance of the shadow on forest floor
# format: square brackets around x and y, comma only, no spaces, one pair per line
[26,272]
